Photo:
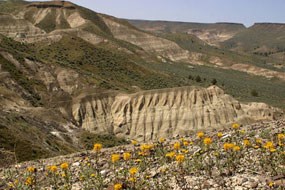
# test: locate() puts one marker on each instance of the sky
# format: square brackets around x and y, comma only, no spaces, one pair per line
[206,11]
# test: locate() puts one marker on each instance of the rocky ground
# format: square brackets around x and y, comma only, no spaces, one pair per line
[203,164]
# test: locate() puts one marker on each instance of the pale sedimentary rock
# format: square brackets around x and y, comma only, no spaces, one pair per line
[148,115]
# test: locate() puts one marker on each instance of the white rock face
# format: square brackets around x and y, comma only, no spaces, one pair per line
[152,114]
[75,20]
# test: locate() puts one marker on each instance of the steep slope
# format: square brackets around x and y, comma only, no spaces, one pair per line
[153,114]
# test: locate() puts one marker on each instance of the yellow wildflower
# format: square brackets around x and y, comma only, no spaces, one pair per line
[235,126]
[134,142]
[185,143]
[147,176]
[11,185]
[142,153]
[242,131]
[115,158]
[272,150]
[97,147]
[281,136]
[92,175]
[31,169]
[133,171]
[228,146]
[52,168]
[271,184]
[132,179]
[126,156]
[81,178]
[185,151]
[200,134]
[269,145]
[64,166]
[220,135]
[146,147]
[118,186]
[161,140]
[208,141]
[258,140]
[29,181]
[138,160]
[16,182]
[180,158]
[170,155]
[246,142]
[236,148]
[176,146]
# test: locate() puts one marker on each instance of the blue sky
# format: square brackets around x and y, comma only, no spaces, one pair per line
[207,11]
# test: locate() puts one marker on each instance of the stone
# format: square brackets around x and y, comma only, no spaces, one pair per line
[76,164]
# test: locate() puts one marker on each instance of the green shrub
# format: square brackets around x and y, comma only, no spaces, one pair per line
[87,139]
[198,79]
[254,93]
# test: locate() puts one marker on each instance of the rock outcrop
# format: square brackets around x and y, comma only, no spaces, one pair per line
[17,28]
[152,114]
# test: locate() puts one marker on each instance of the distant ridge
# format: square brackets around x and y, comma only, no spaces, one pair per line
[55,4]
[182,22]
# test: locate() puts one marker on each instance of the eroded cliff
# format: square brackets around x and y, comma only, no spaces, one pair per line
[152,114]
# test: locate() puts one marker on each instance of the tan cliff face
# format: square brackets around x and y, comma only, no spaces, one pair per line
[148,42]
[152,114]
[16,27]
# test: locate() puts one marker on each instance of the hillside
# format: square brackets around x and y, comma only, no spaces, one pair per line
[237,157]
[213,34]
[70,75]
[266,39]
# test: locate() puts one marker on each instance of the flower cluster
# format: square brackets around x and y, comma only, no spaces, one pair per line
[131,168]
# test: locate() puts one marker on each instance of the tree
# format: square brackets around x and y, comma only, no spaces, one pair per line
[198,79]
[190,77]
[254,93]
[214,81]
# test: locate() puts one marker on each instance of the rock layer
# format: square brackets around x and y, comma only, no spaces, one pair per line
[152,114]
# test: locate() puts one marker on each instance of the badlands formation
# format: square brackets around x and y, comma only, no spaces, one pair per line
[149,115]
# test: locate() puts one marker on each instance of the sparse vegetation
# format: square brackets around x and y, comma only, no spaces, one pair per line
[226,153]
[28,134]
[87,140]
